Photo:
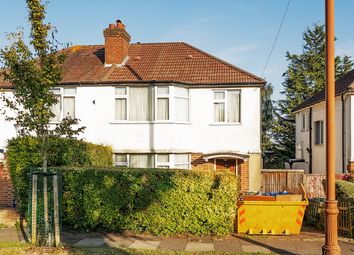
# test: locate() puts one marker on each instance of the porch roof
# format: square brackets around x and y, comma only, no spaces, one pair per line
[225,154]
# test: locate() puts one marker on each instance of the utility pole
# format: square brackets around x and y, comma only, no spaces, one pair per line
[331,227]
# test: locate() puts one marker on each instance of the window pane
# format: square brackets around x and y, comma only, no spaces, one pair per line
[181,158]
[141,160]
[162,90]
[120,158]
[56,109]
[182,109]
[164,167]
[121,91]
[163,158]
[181,92]
[219,112]
[182,166]
[140,104]
[121,109]
[69,91]
[69,107]
[321,123]
[162,109]
[233,106]
[219,95]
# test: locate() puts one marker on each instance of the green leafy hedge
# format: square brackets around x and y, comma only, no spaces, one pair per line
[24,153]
[156,201]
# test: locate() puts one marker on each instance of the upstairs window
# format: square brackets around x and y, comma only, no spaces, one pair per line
[319,132]
[162,103]
[65,106]
[159,103]
[181,104]
[303,121]
[227,106]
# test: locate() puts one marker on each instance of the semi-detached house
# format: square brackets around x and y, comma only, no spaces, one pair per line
[167,105]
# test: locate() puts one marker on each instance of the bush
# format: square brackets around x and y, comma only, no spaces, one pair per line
[344,189]
[24,153]
[155,201]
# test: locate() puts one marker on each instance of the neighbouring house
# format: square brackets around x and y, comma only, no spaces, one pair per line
[166,105]
[311,129]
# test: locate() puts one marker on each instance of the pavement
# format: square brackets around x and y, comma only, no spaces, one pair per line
[308,242]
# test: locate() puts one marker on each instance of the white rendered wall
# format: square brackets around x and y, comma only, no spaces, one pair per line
[95,109]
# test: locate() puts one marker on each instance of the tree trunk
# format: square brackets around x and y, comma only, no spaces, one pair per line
[45,190]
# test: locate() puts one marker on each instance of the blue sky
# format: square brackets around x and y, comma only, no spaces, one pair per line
[238,31]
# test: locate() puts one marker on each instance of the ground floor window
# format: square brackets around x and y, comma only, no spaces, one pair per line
[150,160]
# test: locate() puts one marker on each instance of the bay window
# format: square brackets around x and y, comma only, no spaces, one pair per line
[159,103]
[149,160]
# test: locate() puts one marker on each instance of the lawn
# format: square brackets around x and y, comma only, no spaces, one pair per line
[24,249]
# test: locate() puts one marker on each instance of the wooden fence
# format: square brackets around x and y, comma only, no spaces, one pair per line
[278,180]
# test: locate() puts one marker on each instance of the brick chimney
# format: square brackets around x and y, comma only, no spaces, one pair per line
[116,43]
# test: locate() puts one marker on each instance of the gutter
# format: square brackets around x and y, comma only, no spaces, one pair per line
[343,134]
[310,140]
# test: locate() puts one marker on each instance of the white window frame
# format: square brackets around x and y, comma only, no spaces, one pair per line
[171,164]
[224,100]
[303,121]
[171,105]
[321,130]
[174,105]
[175,165]
[125,164]
[126,97]
[60,92]
[168,96]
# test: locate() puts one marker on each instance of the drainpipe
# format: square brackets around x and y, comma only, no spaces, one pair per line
[343,133]
[310,140]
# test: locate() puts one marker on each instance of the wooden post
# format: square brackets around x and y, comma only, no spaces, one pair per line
[34,210]
[56,211]
[331,210]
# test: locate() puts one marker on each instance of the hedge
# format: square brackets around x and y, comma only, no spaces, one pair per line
[155,201]
[24,153]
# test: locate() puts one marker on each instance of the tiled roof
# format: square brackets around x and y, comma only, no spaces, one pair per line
[343,84]
[160,62]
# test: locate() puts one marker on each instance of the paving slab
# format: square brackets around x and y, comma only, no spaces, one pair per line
[198,246]
[9,235]
[145,244]
[251,248]
[173,244]
[228,245]
[118,241]
[90,242]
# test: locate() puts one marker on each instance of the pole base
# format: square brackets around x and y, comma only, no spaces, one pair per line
[331,229]
[331,250]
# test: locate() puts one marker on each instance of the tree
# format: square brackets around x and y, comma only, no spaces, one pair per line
[267,123]
[305,76]
[33,74]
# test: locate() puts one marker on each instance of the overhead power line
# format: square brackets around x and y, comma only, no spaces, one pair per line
[276,37]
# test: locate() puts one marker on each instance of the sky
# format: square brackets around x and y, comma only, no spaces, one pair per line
[241,32]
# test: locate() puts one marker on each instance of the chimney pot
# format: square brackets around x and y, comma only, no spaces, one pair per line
[120,25]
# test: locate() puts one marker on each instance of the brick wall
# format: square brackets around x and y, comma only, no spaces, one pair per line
[244,175]
[6,194]
[198,163]
[350,167]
